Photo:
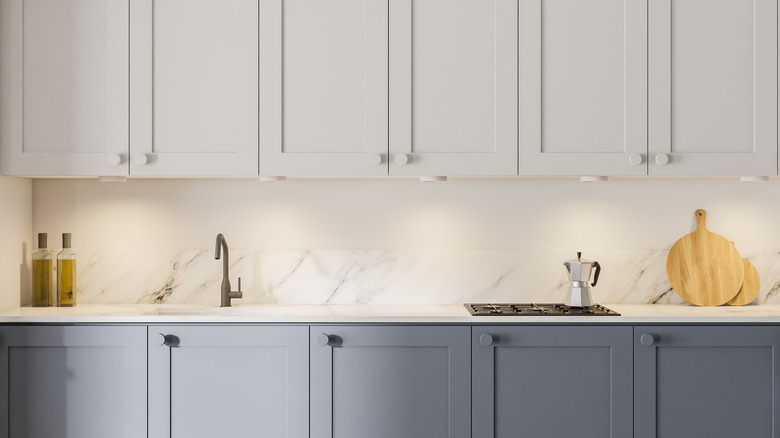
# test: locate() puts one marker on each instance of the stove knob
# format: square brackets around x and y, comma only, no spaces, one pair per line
[647,339]
[486,339]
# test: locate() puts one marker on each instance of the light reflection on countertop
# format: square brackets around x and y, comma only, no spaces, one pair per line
[402,314]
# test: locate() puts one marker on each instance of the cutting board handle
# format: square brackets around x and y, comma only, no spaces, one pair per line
[701,220]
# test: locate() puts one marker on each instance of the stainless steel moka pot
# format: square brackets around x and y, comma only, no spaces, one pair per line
[579,271]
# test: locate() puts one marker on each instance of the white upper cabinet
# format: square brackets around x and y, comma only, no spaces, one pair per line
[64,87]
[583,87]
[713,87]
[323,108]
[194,87]
[453,87]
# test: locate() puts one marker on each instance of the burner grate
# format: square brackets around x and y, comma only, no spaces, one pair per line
[533,309]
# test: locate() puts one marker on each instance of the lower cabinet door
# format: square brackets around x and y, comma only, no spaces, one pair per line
[390,382]
[228,381]
[551,382]
[706,382]
[72,382]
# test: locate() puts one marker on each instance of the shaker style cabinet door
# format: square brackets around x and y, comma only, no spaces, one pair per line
[712,87]
[194,87]
[64,86]
[323,87]
[73,382]
[583,87]
[453,87]
[706,382]
[390,382]
[228,381]
[551,382]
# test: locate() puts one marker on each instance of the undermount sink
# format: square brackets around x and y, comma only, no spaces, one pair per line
[219,311]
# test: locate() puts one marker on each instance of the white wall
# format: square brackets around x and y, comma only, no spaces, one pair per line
[16,221]
[516,213]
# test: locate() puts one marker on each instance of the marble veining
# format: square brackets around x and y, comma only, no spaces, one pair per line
[382,277]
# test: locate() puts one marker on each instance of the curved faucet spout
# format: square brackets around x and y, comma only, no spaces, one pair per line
[221,251]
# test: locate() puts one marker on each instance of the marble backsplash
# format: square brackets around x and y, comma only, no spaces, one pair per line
[383,277]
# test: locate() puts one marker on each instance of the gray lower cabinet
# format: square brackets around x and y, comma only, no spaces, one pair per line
[228,381]
[551,381]
[390,382]
[706,382]
[73,382]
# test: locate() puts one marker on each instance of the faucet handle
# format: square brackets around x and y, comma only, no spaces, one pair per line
[238,293]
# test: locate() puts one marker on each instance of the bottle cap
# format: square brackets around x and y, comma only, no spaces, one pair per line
[66,240]
[42,240]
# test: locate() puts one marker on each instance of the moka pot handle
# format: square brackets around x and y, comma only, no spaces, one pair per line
[596,277]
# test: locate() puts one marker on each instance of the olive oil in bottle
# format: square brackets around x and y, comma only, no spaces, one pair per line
[66,274]
[42,281]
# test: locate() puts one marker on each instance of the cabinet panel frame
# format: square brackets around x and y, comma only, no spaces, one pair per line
[503,160]
[617,338]
[456,338]
[131,338]
[294,338]
[533,160]
[763,160]
[645,360]
[13,158]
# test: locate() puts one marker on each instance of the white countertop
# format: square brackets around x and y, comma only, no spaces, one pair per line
[337,314]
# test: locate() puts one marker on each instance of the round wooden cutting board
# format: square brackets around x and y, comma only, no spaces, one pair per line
[704,268]
[750,286]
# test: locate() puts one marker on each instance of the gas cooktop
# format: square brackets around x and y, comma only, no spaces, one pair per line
[537,310]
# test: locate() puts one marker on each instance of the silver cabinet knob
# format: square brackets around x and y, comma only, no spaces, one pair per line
[141,159]
[647,339]
[167,340]
[662,159]
[486,339]
[114,159]
[324,340]
[636,159]
[401,159]
[374,159]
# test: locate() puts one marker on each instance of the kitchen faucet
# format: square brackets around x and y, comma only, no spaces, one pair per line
[226,294]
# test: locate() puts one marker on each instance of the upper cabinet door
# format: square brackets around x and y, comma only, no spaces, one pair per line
[583,87]
[64,86]
[323,108]
[453,87]
[194,89]
[713,87]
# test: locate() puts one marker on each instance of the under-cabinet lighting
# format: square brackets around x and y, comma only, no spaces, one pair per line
[271,178]
[594,178]
[433,179]
[753,178]
[112,179]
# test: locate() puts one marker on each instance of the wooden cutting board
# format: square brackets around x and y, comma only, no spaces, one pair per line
[705,268]
[750,286]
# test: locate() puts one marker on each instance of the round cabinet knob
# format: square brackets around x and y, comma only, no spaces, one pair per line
[636,159]
[374,159]
[647,339]
[401,159]
[486,339]
[141,159]
[323,339]
[114,159]
[662,159]
[167,340]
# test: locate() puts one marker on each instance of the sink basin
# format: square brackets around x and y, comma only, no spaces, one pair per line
[219,311]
